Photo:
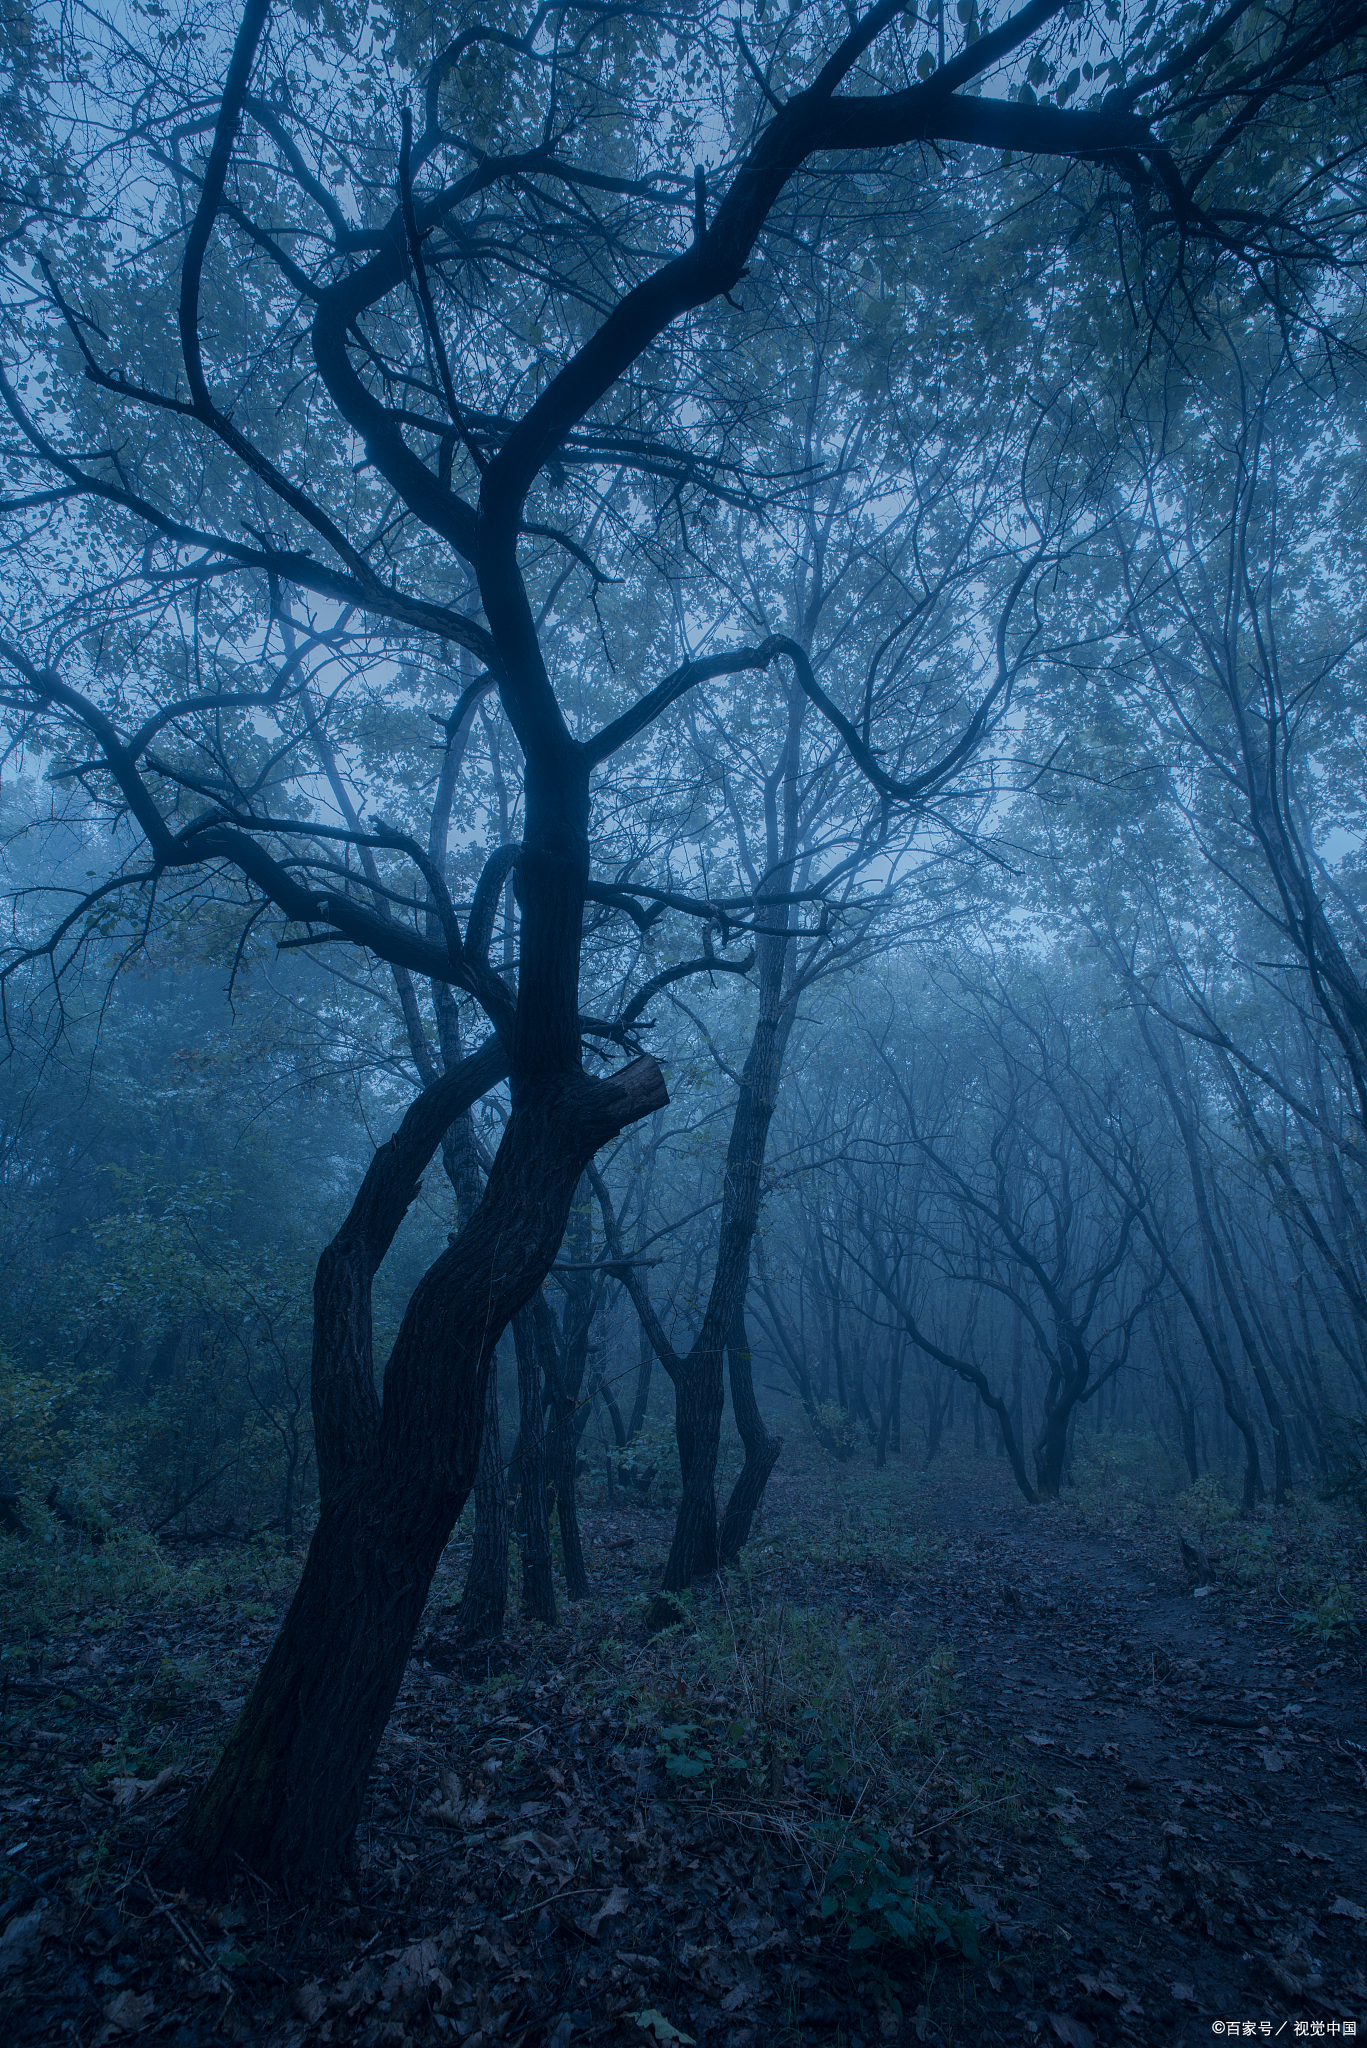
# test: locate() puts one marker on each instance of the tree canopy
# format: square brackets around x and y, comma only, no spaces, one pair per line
[557,515]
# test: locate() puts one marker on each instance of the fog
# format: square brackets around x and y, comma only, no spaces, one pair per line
[682,725]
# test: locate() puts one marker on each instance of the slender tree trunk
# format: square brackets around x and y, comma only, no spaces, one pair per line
[1215,1252]
[880,1449]
[484,1601]
[538,1579]
[601,1389]
[1186,1422]
[935,1419]
[761,1449]
[698,1385]
[971,1374]
[562,1450]
[794,1362]
[642,1400]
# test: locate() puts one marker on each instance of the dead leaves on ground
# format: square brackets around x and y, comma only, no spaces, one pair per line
[530,1868]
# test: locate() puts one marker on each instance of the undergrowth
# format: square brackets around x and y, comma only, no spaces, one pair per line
[795,1723]
[55,1578]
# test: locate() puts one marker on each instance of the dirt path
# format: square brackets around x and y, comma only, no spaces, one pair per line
[1203,1777]
[1151,1804]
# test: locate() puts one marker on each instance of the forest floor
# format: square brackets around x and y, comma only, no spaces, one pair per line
[935,1767]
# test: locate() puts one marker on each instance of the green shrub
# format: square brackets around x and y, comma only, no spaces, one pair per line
[1331,1618]
[877,1906]
[649,1466]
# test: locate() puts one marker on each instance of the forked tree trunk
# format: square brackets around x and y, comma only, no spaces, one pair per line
[761,1449]
[1067,1385]
[972,1375]
[698,1386]
[286,1794]
[699,1397]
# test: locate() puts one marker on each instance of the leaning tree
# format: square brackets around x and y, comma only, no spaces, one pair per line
[298,382]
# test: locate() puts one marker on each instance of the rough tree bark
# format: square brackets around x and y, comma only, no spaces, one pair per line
[286,1794]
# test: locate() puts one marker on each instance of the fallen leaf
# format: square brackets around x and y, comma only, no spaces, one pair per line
[1185,1994]
[448,1807]
[20,1939]
[309,2002]
[616,1903]
[1273,1760]
[1040,1741]
[412,1970]
[1071,2032]
[655,2023]
[131,1792]
[1095,1985]
[126,2014]
[1346,1910]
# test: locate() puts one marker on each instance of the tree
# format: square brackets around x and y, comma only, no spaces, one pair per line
[975,1164]
[367,416]
[1235,574]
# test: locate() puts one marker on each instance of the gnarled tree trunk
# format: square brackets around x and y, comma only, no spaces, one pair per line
[761,1449]
[286,1794]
